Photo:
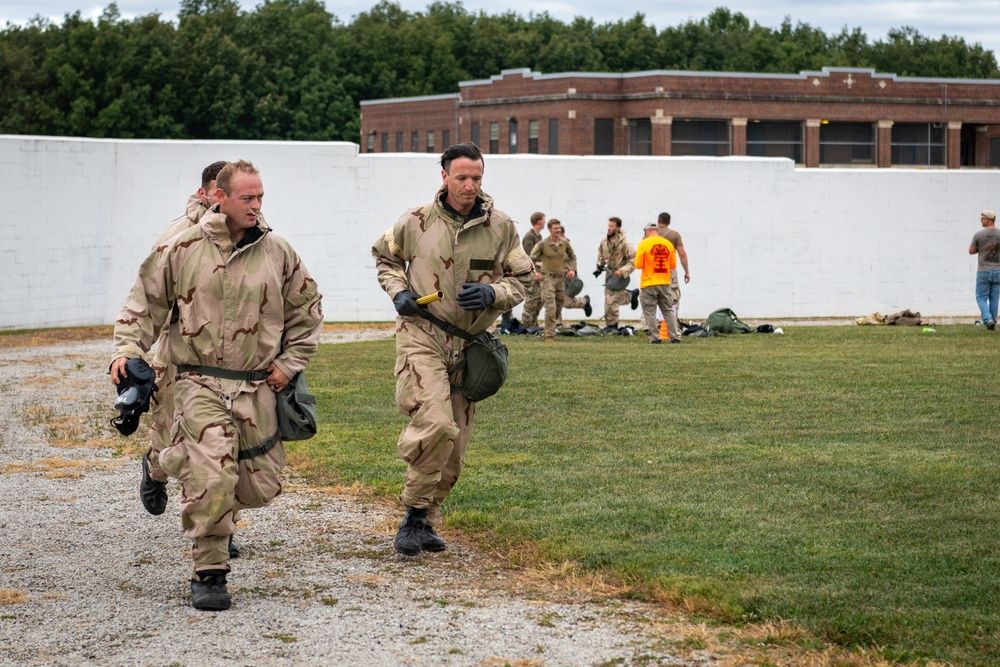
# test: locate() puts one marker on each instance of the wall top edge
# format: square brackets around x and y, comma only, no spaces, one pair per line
[194,142]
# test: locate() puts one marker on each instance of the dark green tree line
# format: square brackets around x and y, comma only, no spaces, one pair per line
[291,70]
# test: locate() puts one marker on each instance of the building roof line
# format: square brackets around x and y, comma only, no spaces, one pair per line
[422,98]
[801,76]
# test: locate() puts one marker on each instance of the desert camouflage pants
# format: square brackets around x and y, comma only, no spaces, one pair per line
[662,297]
[214,422]
[570,302]
[553,296]
[532,304]
[613,298]
[433,444]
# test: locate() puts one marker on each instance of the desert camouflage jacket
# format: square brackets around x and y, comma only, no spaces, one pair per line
[430,249]
[617,255]
[238,308]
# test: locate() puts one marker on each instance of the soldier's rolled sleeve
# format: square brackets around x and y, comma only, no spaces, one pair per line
[303,312]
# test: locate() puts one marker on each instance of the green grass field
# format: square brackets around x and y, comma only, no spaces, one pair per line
[845,479]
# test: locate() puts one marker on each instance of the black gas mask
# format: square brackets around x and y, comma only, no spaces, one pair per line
[134,393]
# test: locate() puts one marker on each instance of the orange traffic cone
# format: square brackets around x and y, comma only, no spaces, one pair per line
[664,334]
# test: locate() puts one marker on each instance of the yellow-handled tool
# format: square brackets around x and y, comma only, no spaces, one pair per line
[430,298]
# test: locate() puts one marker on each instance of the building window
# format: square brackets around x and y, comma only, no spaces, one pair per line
[494,137]
[553,136]
[700,137]
[385,142]
[604,136]
[475,133]
[371,141]
[446,139]
[399,142]
[846,143]
[767,138]
[640,136]
[512,135]
[430,142]
[532,136]
[918,144]
[414,142]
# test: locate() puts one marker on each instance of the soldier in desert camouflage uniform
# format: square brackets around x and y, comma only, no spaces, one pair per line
[152,490]
[533,298]
[553,259]
[461,245]
[248,319]
[616,255]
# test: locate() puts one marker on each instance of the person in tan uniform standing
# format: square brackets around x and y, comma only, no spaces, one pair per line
[462,246]
[533,298]
[554,261]
[672,235]
[248,319]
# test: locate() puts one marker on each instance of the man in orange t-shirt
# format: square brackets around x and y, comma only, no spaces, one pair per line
[655,257]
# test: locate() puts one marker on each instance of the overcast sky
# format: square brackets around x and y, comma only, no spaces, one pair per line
[973,20]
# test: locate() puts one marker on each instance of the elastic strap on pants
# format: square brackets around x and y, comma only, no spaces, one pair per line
[259,450]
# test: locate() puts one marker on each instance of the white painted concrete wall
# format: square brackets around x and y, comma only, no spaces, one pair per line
[764,238]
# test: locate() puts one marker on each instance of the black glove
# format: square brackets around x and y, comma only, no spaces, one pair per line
[406,303]
[476,296]
[599,271]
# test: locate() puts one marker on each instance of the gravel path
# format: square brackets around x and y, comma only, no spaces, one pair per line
[88,578]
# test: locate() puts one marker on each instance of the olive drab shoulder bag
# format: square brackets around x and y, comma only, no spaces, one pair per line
[296,409]
[484,362]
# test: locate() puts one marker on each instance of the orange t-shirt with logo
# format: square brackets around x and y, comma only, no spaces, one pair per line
[655,256]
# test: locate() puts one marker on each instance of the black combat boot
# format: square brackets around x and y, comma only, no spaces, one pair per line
[209,592]
[634,293]
[409,539]
[153,494]
[431,541]
[587,308]
[505,323]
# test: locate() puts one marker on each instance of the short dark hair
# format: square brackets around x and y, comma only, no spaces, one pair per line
[211,172]
[536,216]
[616,220]
[468,149]
[664,219]
[552,223]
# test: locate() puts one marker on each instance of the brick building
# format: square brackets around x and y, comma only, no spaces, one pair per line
[837,117]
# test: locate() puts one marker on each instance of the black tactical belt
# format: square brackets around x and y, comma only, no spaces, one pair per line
[259,450]
[225,373]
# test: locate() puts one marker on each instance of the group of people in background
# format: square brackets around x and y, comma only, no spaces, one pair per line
[555,263]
